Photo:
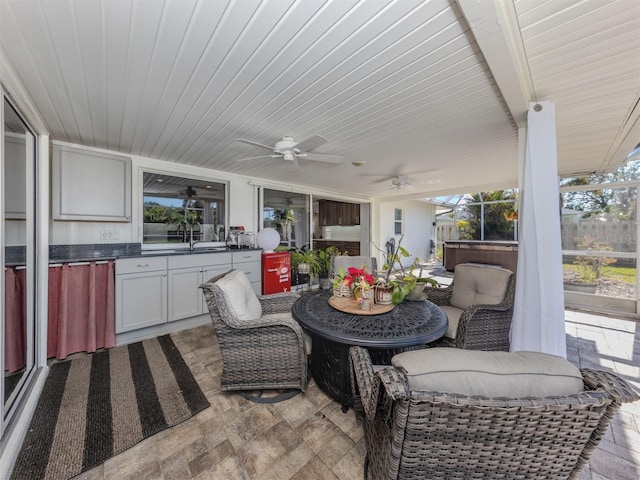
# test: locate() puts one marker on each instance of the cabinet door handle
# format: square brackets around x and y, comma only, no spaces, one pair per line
[142,265]
[164,274]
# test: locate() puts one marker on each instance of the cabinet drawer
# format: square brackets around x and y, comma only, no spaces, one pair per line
[247,256]
[252,270]
[141,264]
[199,259]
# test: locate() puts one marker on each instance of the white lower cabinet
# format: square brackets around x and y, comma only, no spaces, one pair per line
[250,262]
[186,274]
[185,298]
[141,293]
[155,290]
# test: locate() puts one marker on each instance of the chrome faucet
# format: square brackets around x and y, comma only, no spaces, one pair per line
[181,231]
[192,230]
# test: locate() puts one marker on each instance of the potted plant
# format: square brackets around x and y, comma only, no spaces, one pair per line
[402,283]
[341,285]
[583,276]
[324,264]
[305,262]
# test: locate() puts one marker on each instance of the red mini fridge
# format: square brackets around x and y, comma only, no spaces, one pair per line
[276,272]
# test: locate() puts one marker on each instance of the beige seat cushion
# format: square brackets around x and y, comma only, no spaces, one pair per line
[475,284]
[453,315]
[489,374]
[239,296]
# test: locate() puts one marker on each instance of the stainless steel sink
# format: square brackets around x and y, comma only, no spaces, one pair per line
[183,251]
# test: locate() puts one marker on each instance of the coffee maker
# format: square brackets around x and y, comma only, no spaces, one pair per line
[233,237]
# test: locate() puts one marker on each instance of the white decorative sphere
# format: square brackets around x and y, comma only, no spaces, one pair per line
[268,239]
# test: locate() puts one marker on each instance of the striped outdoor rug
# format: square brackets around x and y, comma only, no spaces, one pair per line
[94,407]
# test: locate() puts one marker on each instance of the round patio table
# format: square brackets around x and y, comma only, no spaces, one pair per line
[409,326]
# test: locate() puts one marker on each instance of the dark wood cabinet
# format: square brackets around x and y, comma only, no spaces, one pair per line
[351,248]
[331,212]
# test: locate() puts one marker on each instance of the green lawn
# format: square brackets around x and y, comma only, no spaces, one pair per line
[620,274]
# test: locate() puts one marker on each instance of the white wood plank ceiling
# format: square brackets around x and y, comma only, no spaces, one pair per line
[400,85]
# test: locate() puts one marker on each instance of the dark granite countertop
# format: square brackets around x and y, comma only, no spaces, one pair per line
[94,252]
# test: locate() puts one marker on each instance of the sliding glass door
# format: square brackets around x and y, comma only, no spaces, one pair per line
[17,326]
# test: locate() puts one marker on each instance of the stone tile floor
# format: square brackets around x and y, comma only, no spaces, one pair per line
[309,438]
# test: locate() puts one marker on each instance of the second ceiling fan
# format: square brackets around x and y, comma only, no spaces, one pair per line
[290,151]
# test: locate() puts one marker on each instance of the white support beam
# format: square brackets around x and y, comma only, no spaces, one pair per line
[495,27]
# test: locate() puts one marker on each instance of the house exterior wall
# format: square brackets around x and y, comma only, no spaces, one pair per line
[418,228]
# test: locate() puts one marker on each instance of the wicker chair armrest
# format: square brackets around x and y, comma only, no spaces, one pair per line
[274,320]
[389,386]
[277,302]
[620,390]
[497,307]
[478,320]
[394,383]
[361,373]
[439,296]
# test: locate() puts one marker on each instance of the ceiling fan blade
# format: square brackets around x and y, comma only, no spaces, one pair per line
[382,179]
[254,158]
[255,144]
[310,143]
[321,157]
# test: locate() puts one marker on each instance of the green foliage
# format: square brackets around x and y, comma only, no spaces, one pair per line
[339,277]
[618,203]
[156,213]
[306,256]
[405,281]
[586,274]
[324,259]
[496,226]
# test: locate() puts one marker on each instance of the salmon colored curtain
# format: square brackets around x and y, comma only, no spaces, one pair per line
[81,309]
[15,328]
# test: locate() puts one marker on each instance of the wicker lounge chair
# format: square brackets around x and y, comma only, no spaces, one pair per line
[262,349]
[413,433]
[479,305]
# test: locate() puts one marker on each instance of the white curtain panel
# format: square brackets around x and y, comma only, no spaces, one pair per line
[538,318]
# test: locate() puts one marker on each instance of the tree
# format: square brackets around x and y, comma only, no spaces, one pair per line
[496,225]
[618,203]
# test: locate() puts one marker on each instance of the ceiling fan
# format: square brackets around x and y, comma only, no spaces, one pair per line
[401,181]
[290,151]
[189,192]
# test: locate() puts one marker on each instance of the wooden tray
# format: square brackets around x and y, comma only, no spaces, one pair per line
[350,305]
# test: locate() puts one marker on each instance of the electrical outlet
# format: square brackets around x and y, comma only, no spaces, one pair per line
[108,234]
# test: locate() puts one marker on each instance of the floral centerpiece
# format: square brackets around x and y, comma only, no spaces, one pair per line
[354,282]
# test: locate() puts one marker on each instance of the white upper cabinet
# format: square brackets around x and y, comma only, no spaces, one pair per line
[88,185]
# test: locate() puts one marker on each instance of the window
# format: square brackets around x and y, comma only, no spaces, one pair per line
[288,213]
[178,209]
[397,221]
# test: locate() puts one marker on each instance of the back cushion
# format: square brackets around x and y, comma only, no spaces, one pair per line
[239,296]
[478,285]
[489,374]
[345,261]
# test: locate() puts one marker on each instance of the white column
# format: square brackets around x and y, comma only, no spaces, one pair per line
[538,319]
